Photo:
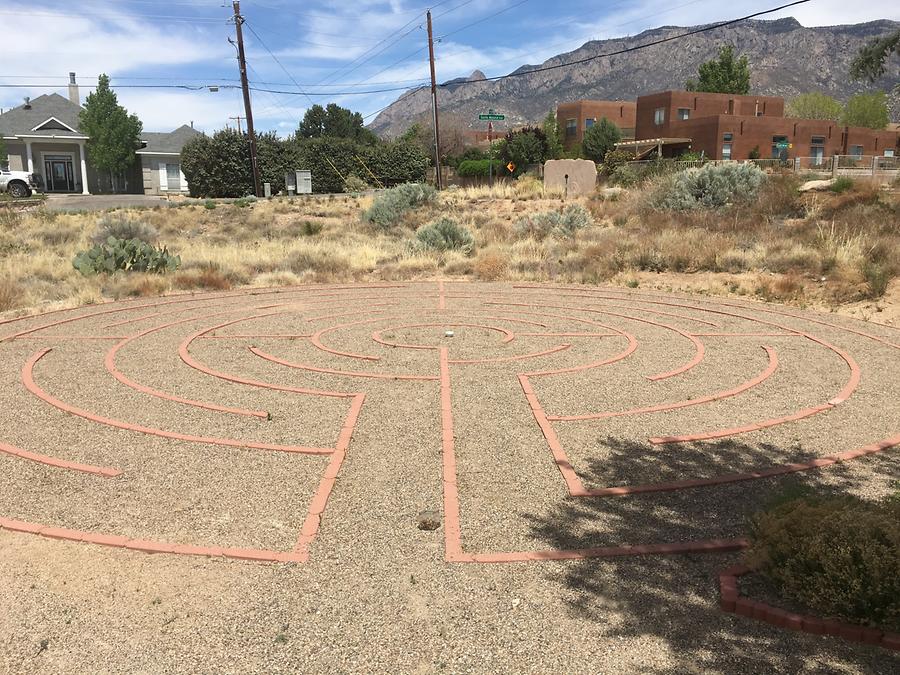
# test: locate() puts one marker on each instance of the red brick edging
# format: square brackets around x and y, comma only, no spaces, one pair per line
[734,603]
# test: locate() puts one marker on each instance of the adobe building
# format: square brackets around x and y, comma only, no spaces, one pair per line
[727,126]
[577,117]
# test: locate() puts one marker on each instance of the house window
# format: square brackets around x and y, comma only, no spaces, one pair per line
[571,128]
[856,150]
[817,150]
[684,113]
[726,151]
[780,147]
[728,137]
[659,116]
[889,152]
[588,123]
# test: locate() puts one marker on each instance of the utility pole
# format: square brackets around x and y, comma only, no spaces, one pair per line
[242,61]
[238,118]
[434,110]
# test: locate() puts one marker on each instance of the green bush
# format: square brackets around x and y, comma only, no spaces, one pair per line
[711,186]
[838,556]
[390,205]
[613,160]
[119,226]
[842,184]
[445,234]
[355,184]
[560,224]
[478,168]
[126,255]
[209,205]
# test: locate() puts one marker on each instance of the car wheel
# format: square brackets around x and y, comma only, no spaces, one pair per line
[19,190]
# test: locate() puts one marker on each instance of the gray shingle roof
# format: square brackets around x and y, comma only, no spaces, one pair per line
[22,120]
[167,142]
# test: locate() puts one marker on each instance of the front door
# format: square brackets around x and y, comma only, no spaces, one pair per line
[60,174]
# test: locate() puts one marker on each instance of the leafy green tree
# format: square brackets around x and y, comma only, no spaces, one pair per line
[550,127]
[815,106]
[336,122]
[869,63]
[114,134]
[723,75]
[3,155]
[600,139]
[867,110]
[523,147]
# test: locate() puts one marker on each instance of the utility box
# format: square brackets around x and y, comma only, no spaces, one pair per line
[290,183]
[304,182]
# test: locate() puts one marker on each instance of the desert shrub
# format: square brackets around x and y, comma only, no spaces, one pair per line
[445,234]
[561,224]
[842,184]
[491,266]
[711,186]
[877,278]
[391,204]
[11,295]
[9,217]
[243,202]
[838,556]
[355,184]
[127,255]
[613,160]
[208,277]
[209,205]
[121,226]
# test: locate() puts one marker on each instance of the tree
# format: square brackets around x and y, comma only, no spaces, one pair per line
[815,106]
[723,75]
[335,122]
[114,134]
[4,158]
[867,110]
[600,139]
[523,147]
[869,63]
[550,127]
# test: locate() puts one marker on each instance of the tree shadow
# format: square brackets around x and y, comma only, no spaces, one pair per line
[673,600]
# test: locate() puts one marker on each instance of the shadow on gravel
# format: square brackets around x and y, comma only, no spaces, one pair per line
[672,601]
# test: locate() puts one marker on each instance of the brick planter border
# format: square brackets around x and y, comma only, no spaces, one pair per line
[734,603]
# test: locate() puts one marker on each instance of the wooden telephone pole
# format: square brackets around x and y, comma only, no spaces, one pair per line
[434,110]
[245,86]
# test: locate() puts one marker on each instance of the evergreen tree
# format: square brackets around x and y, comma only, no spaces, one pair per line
[723,75]
[335,122]
[869,62]
[551,130]
[114,134]
[600,139]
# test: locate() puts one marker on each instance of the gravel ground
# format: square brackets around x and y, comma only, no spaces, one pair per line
[376,594]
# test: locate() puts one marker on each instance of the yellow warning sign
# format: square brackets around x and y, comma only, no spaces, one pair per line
[511,167]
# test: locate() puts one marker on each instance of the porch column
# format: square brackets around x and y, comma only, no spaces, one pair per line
[29,156]
[84,175]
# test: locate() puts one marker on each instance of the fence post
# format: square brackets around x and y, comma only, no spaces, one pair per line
[835,161]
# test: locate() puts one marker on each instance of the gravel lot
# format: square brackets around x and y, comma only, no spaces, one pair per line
[376,593]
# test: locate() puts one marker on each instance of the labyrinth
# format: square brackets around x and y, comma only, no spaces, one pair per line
[542,422]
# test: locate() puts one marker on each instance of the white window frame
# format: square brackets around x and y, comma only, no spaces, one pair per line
[686,115]
[659,116]
[727,155]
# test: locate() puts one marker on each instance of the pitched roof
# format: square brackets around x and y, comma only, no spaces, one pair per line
[171,142]
[22,120]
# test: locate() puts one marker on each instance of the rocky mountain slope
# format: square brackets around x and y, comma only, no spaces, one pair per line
[786,59]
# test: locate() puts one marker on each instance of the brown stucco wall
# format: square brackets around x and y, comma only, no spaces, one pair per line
[620,113]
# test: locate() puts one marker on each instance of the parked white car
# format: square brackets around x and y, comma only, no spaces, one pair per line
[19,184]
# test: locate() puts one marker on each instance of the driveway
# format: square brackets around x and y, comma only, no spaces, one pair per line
[101,202]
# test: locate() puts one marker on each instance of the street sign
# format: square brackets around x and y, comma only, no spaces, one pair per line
[511,167]
[782,145]
[493,117]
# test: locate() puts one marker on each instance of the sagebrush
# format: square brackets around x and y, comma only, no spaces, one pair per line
[391,204]
[562,224]
[711,186]
[445,234]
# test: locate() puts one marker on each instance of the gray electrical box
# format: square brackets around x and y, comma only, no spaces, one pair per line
[304,182]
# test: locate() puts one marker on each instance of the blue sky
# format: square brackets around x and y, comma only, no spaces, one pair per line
[324,47]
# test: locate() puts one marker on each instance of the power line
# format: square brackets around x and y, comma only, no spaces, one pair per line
[704,29]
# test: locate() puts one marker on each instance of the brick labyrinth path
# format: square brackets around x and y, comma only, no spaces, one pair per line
[223,424]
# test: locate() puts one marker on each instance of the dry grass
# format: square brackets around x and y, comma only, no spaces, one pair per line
[835,247]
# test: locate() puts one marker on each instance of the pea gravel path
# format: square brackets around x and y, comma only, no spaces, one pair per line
[275,449]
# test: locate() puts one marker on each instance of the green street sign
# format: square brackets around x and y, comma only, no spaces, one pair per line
[783,145]
[493,117]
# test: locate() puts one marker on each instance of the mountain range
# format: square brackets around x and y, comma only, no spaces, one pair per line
[786,59]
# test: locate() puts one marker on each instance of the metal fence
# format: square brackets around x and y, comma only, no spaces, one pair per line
[838,165]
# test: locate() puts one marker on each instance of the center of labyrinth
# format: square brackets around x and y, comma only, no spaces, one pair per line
[547,422]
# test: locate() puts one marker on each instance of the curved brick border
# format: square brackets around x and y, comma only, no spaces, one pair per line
[55,462]
[333,371]
[734,603]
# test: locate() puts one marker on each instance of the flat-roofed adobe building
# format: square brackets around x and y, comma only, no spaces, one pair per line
[578,116]
[727,126]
